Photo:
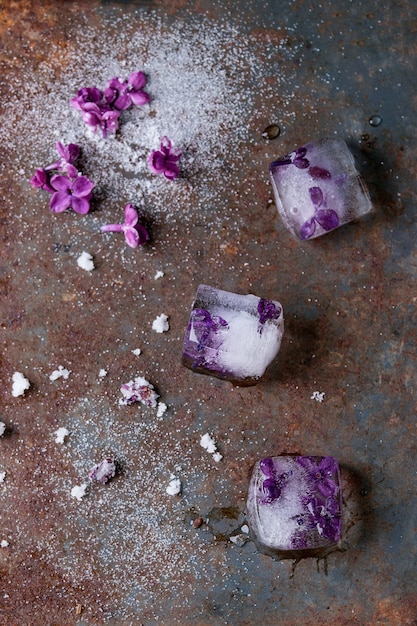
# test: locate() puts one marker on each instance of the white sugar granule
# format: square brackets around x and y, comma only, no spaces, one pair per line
[2,476]
[160,324]
[85,261]
[318,396]
[61,433]
[61,372]
[137,351]
[174,486]
[159,274]
[4,543]
[2,428]
[79,491]
[20,384]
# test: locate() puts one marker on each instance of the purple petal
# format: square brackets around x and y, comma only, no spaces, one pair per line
[139,98]
[132,237]
[171,171]
[319,173]
[156,162]
[80,205]
[143,234]
[308,229]
[137,80]
[327,218]
[60,201]
[267,467]
[61,183]
[316,196]
[82,186]
[131,215]
[302,164]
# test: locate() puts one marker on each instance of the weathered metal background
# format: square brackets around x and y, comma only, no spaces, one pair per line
[128,553]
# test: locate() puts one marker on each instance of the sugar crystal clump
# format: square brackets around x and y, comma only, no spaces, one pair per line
[294,505]
[232,336]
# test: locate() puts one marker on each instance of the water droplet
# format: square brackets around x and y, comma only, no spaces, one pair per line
[375,120]
[271,132]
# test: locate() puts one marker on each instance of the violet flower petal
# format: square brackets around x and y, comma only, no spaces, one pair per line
[137,80]
[308,229]
[60,183]
[82,186]
[327,218]
[80,205]
[60,201]
[132,237]
[316,196]
[319,173]
[131,215]
[139,98]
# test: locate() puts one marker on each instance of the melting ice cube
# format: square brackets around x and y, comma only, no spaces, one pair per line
[232,336]
[294,505]
[317,188]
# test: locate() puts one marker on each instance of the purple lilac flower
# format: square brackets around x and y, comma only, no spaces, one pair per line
[69,154]
[322,473]
[135,234]
[267,310]
[325,517]
[164,160]
[74,193]
[41,180]
[103,471]
[273,483]
[101,109]
[328,219]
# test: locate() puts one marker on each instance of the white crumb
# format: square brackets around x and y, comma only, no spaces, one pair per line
[4,543]
[85,261]
[174,486]
[162,407]
[159,274]
[318,395]
[61,433]
[79,491]
[137,351]
[20,384]
[2,428]
[2,476]
[245,529]
[160,324]
[207,442]
[102,373]
[61,372]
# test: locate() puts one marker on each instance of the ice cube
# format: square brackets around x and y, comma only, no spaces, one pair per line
[317,188]
[232,336]
[294,505]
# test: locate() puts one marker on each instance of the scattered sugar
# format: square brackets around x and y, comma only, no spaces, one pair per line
[79,491]
[159,274]
[318,396]
[174,486]
[161,324]
[20,384]
[61,372]
[61,433]
[85,261]
[2,428]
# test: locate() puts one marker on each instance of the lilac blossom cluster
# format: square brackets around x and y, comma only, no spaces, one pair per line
[67,186]
[102,108]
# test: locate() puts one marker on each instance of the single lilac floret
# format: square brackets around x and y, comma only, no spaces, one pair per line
[103,471]
[136,82]
[164,161]
[69,154]
[135,234]
[139,390]
[74,193]
[41,180]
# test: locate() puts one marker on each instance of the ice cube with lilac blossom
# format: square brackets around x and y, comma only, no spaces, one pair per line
[317,188]
[232,336]
[294,506]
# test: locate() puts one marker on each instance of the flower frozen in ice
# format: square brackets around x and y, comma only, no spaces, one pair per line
[328,219]
[322,472]
[139,390]
[164,161]
[103,471]
[135,234]
[68,192]
[267,310]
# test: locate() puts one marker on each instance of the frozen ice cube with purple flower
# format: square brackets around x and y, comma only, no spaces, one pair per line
[294,505]
[232,336]
[317,188]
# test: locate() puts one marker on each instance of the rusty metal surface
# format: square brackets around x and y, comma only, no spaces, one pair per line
[128,553]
